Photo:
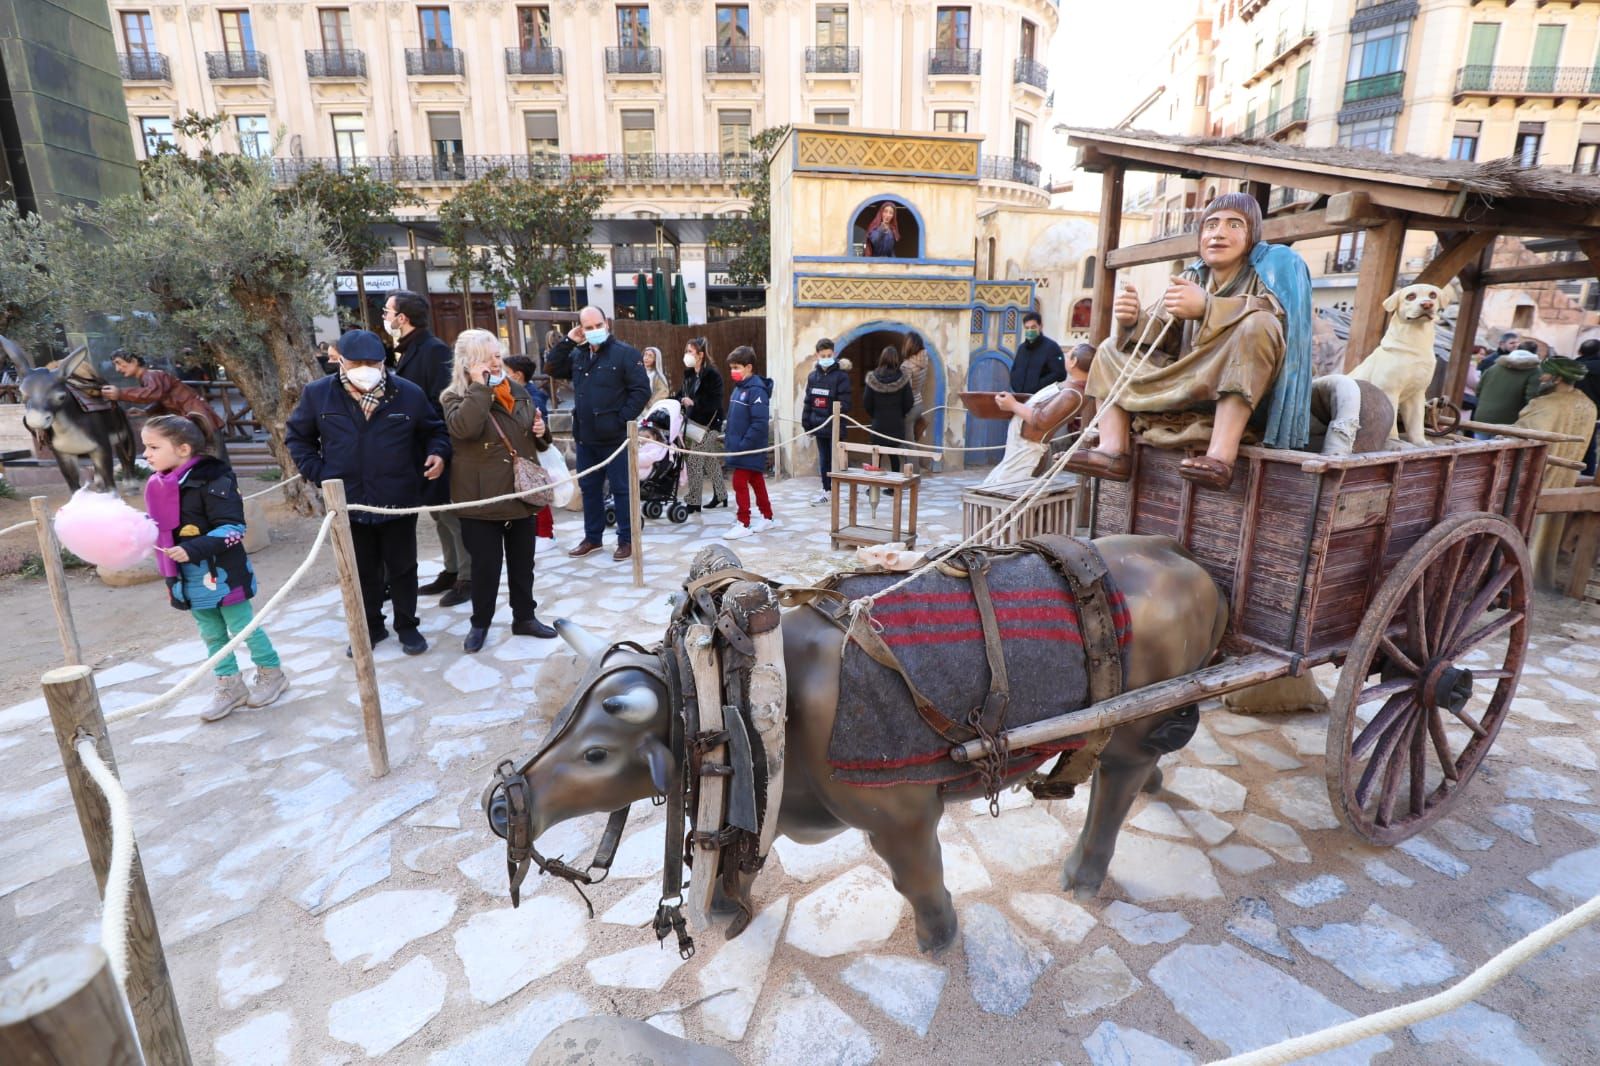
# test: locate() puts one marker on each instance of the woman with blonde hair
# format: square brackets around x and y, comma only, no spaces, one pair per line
[493,421]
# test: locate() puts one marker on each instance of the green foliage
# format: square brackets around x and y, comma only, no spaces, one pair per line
[752,234]
[8,491]
[271,473]
[521,235]
[219,170]
[351,202]
[33,563]
[30,302]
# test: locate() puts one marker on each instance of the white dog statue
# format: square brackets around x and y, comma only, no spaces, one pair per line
[1403,363]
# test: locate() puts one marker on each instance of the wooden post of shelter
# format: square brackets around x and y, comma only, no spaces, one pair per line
[1105,278]
[1468,313]
[74,705]
[65,1008]
[355,617]
[1380,263]
[635,512]
[56,575]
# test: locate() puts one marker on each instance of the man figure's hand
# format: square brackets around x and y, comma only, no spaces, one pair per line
[110,392]
[432,467]
[1006,402]
[1184,300]
[1126,308]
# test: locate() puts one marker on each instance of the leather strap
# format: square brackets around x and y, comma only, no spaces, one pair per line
[1080,563]
[993,717]
[669,911]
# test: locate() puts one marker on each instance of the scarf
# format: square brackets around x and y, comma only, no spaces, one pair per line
[367,401]
[502,392]
[163,503]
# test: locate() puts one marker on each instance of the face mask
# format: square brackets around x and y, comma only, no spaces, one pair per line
[826,362]
[596,337]
[688,360]
[737,373]
[495,379]
[392,327]
[1031,334]
[365,378]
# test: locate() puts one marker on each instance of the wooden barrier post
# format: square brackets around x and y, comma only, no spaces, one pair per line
[635,513]
[355,616]
[74,705]
[66,1008]
[56,575]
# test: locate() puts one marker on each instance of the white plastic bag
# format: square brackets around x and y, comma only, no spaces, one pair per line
[561,488]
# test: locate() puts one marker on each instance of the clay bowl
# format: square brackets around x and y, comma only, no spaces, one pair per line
[981,404]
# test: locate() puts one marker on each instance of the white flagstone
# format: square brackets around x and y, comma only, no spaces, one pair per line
[730,985]
[384,1016]
[856,910]
[907,990]
[503,950]
[1096,982]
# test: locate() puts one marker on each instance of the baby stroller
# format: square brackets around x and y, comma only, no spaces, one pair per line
[660,467]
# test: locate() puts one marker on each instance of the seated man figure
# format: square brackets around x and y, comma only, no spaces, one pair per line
[1236,358]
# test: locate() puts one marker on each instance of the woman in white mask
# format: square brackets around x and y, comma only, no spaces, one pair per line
[701,397]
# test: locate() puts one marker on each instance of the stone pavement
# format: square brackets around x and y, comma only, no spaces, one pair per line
[314,915]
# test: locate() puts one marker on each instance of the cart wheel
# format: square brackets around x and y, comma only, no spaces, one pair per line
[1442,418]
[1462,588]
[653,509]
[679,512]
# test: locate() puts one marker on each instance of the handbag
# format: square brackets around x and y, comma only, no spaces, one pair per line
[695,432]
[529,478]
[563,488]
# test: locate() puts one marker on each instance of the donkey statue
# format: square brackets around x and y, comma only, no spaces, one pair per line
[67,415]
[613,742]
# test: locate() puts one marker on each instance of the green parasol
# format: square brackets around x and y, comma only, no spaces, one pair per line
[680,303]
[641,298]
[663,299]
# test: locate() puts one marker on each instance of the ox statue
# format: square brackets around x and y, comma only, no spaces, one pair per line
[67,415]
[615,741]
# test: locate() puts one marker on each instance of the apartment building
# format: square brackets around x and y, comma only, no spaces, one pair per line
[658,101]
[1463,79]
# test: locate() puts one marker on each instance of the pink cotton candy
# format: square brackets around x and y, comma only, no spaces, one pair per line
[100,528]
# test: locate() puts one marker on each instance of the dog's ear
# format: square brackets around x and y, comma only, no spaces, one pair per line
[1446,297]
[1393,301]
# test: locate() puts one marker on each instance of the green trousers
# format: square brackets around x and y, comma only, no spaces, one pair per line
[219,624]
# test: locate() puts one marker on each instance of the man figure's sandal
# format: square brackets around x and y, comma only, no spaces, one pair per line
[1096,463]
[1207,472]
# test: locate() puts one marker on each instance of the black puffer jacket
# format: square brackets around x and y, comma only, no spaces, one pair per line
[888,399]
[823,389]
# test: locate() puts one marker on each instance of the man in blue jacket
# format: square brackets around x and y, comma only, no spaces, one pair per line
[609,389]
[378,433]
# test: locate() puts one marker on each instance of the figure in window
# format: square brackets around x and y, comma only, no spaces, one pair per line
[884,233]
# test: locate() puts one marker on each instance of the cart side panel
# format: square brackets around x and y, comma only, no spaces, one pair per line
[1360,517]
[1416,506]
[1473,485]
[1289,537]
[1110,507]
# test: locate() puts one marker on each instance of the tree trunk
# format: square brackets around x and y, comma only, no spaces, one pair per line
[361,299]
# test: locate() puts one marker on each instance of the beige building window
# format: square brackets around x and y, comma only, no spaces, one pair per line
[156,133]
[733,133]
[434,23]
[237,37]
[953,29]
[334,23]
[533,28]
[950,121]
[137,33]
[1587,161]
[1030,34]
[1022,141]
[543,133]
[444,130]
[633,27]
[833,26]
[638,132]
[733,26]
[349,140]
[1530,141]
[255,136]
[1464,140]
[831,116]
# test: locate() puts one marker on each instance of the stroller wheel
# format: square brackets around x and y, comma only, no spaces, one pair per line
[679,512]
[611,516]
[652,509]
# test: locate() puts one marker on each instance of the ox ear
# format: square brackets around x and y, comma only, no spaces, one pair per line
[637,706]
[19,358]
[582,641]
[1393,301]
[73,361]
[660,759]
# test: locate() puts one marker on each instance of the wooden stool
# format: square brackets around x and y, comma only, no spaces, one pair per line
[852,531]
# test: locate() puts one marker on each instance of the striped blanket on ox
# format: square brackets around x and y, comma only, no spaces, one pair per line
[933,628]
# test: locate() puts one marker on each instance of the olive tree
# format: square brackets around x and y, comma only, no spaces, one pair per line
[31,299]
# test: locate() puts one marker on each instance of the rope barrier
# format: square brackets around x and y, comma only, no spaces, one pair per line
[274,488]
[119,879]
[601,465]
[239,638]
[1459,994]
[752,451]
[20,525]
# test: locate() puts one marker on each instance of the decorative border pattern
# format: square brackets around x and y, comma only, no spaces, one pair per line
[915,291]
[903,156]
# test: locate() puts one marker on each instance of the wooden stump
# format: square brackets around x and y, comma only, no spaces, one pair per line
[65,1010]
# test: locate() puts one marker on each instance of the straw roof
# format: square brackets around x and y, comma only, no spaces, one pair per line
[1495,179]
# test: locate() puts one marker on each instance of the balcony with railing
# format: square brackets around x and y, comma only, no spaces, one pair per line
[660,167]
[1283,196]
[347,63]
[1377,87]
[1570,82]
[633,61]
[236,66]
[1342,262]
[1284,48]
[435,63]
[1176,222]
[719,258]
[1285,120]
[1007,168]
[144,66]
[1030,72]
[642,259]
[1250,8]
[727,59]
[959,62]
[1370,14]
[534,62]
[833,59]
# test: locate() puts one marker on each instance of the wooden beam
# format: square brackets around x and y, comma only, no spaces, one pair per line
[1590,246]
[1522,275]
[1585,499]
[1468,313]
[1380,261]
[1105,277]
[1345,212]
[1455,252]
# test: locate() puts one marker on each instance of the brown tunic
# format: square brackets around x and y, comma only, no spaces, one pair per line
[1562,410]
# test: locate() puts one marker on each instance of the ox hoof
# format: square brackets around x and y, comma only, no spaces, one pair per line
[1080,879]
[1152,784]
[934,938]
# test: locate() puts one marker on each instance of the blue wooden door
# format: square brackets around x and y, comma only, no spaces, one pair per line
[989,372]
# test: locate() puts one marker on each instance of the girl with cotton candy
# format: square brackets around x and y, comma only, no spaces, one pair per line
[194,500]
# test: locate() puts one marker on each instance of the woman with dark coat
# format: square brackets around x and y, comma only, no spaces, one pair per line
[492,421]
[701,397]
[889,401]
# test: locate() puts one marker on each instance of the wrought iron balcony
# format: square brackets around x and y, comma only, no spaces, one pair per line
[1337,262]
[1528,81]
[1286,117]
[431,62]
[833,59]
[144,66]
[719,259]
[1370,14]
[1007,168]
[341,63]
[1031,72]
[1375,87]
[731,59]
[223,66]
[961,61]
[534,62]
[633,61]
[678,168]
[632,259]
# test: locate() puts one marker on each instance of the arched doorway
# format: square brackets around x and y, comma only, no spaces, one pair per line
[989,372]
[862,346]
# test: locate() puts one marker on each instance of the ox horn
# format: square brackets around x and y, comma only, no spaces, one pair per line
[582,641]
[638,705]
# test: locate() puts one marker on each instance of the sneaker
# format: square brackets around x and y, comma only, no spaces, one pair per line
[230,693]
[822,497]
[758,524]
[270,683]
[412,642]
[738,531]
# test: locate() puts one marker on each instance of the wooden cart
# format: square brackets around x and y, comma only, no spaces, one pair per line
[1410,569]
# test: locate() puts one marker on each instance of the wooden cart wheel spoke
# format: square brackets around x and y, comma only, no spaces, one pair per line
[1391,775]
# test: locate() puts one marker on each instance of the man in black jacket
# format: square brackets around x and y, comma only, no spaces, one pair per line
[609,389]
[825,386]
[1039,361]
[1589,359]
[376,432]
[425,361]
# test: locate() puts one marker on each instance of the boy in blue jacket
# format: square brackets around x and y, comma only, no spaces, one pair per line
[749,415]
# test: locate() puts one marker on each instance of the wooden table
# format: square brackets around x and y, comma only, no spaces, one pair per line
[851,532]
